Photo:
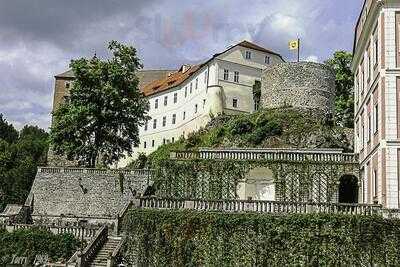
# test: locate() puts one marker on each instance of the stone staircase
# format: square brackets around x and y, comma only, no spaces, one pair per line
[104,253]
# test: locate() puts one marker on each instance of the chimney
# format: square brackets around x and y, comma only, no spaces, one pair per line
[185,67]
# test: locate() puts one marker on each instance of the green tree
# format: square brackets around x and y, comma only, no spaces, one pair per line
[7,131]
[101,120]
[19,158]
[344,102]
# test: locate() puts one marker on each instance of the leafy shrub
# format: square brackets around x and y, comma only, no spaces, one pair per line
[215,136]
[32,242]
[264,130]
[241,126]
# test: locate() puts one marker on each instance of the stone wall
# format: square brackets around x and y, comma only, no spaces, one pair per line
[301,85]
[83,193]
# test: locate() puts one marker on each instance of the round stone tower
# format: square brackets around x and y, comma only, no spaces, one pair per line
[299,85]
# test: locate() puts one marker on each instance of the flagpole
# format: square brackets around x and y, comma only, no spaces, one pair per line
[298,49]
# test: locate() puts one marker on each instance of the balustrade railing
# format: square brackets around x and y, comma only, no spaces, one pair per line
[136,172]
[78,232]
[328,155]
[261,206]
[93,247]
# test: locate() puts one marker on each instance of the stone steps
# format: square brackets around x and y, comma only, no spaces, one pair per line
[101,258]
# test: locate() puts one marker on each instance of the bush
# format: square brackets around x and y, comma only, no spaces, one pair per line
[241,126]
[263,131]
[189,238]
[32,242]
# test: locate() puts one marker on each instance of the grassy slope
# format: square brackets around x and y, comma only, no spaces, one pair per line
[276,128]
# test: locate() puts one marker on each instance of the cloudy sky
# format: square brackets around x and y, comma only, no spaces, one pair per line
[38,38]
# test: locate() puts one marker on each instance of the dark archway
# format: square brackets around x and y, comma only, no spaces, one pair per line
[348,189]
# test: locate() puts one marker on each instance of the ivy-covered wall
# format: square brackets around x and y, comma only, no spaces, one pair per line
[188,238]
[218,179]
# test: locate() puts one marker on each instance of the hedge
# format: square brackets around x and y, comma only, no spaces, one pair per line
[32,242]
[190,238]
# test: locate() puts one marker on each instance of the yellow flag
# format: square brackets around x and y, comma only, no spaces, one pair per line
[294,44]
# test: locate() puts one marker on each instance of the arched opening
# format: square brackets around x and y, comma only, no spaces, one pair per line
[258,185]
[348,189]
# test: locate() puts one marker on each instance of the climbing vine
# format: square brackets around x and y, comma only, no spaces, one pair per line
[189,238]
[199,178]
[218,179]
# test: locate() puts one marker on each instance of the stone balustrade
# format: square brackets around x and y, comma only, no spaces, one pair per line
[137,172]
[290,155]
[78,232]
[260,206]
[91,250]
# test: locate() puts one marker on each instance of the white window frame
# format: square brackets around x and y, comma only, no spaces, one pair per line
[226,75]
[166,100]
[235,103]
[236,77]
[173,118]
[248,54]
[267,60]
[164,121]
[155,124]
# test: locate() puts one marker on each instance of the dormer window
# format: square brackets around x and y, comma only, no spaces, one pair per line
[248,55]
[267,60]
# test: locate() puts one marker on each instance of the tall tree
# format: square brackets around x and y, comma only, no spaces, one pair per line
[7,131]
[19,159]
[101,120]
[344,102]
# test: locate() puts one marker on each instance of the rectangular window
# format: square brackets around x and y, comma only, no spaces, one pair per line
[204,103]
[226,74]
[195,108]
[248,55]
[376,52]
[369,64]
[173,139]
[154,123]
[156,104]
[67,85]
[164,121]
[146,125]
[376,118]
[197,83]
[206,77]
[165,100]
[362,135]
[236,77]
[267,60]
[369,128]
[235,103]
[163,141]
[184,115]
[375,183]
[175,98]
[191,87]
[173,118]
[153,143]
[186,91]
[144,144]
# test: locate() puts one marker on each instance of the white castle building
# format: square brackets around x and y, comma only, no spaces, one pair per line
[186,100]
[183,101]
[376,66]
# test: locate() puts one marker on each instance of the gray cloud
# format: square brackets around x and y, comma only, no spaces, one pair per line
[38,38]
